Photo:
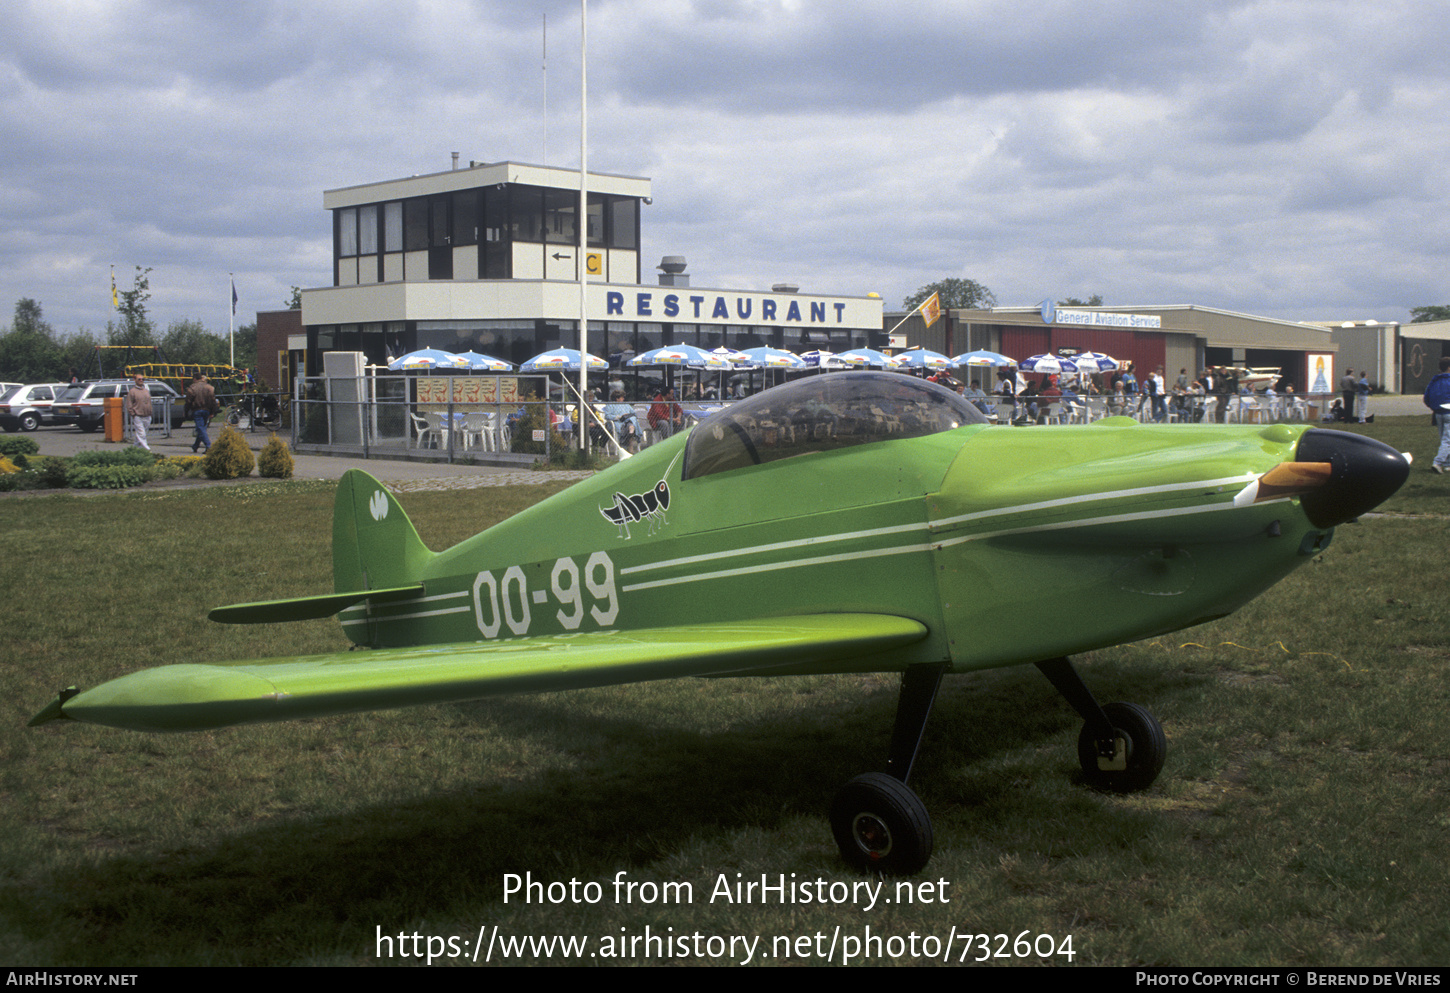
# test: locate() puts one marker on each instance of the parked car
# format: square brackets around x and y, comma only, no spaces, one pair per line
[25,408]
[84,404]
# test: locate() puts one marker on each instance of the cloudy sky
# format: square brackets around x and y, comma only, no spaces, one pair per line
[1282,157]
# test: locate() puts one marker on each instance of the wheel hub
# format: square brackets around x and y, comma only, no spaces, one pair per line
[872,835]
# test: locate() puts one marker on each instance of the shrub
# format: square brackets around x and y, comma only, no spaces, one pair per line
[275,461]
[535,417]
[106,477]
[7,467]
[50,473]
[229,457]
[11,447]
[130,455]
[109,470]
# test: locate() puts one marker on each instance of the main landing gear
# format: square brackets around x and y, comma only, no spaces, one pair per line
[880,825]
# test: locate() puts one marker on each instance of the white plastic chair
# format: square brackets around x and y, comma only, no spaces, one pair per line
[426,432]
[444,425]
[475,426]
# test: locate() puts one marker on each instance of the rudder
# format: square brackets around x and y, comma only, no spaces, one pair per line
[374,544]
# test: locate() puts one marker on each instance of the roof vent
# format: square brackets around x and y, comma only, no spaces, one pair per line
[672,271]
[785,288]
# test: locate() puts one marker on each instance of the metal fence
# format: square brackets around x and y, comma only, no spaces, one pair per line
[457,418]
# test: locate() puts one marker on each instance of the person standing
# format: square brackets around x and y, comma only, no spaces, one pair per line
[202,404]
[1361,396]
[665,415]
[138,407]
[1348,387]
[1437,395]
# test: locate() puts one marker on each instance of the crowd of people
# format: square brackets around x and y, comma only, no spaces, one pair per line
[1206,397]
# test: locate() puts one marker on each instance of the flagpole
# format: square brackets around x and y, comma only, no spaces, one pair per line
[232,322]
[913,311]
[583,218]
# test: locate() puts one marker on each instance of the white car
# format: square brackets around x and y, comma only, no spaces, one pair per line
[25,408]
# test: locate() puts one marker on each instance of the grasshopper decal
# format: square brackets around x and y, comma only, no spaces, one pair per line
[649,506]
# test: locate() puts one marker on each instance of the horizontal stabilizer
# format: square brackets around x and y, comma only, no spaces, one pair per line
[306,608]
[196,697]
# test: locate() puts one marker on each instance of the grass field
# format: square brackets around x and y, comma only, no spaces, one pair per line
[1301,818]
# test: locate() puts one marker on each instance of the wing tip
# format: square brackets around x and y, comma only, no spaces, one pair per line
[54,710]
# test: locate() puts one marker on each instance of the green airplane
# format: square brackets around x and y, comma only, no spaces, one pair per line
[852,522]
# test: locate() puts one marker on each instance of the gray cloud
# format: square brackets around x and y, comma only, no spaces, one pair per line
[1269,156]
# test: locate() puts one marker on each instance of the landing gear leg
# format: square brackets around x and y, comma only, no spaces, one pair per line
[1121,746]
[880,825]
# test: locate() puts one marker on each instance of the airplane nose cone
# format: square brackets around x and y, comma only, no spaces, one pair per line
[1366,473]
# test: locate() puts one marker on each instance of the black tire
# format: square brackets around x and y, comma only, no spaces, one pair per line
[1147,748]
[88,426]
[881,825]
[29,421]
[12,428]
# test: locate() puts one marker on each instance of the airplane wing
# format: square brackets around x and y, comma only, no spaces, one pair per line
[193,697]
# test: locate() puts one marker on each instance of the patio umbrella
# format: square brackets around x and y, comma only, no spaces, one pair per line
[822,359]
[866,358]
[486,363]
[1052,364]
[982,357]
[560,360]
[920,358]
[731,355]
[1091,362]
[680,355]
[765,357]
[428,358]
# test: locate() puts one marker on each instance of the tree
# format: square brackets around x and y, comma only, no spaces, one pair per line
[955,294]
[1419,315]
[136,326]
[244,343]
[78,353]
[296,302]
[29,351]
[1096,300]
[190,343]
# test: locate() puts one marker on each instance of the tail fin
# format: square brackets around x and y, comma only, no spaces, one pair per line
[376,556]
[374,545]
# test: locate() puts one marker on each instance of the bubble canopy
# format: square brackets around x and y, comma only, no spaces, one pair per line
[823,413]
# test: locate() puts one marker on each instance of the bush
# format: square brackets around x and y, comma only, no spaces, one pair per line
[275,461]
[110,470]
[50,473]
[106,477]
[229,457]
[11,447]
[535,417]
[130,455]
[7,467]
